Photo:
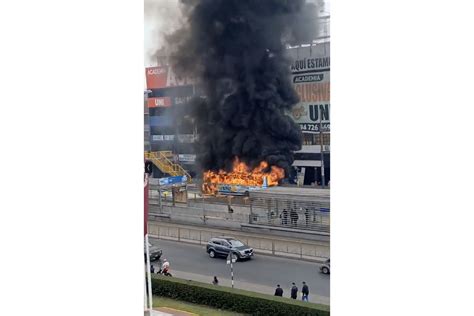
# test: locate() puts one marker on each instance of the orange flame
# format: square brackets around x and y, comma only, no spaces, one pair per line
[242,175]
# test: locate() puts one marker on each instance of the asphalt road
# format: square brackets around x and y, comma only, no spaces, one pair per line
[261,274]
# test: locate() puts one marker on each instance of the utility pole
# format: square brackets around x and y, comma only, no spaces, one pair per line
[323,179]
[231,258]
[147,247]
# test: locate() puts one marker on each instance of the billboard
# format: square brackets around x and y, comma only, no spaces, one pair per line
[172,180]
[310,74]
[163,76]
[187,158]
[156,138]
[158,102]
[310,115]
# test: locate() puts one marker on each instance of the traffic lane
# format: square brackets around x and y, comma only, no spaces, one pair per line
[264,270]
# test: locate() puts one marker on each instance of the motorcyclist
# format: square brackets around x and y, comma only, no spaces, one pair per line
[165,266]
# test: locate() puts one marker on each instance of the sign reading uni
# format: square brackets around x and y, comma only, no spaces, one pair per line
[159,102]
[311,79]
[311,116]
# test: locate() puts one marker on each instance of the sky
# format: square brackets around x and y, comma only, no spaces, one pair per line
[164,14]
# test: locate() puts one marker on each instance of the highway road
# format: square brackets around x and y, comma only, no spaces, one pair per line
[260,274]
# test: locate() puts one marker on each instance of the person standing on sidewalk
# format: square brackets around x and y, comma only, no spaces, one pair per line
[152,269]
[294,217]
[215,281]
[294,291]
[306,216]
[278,291]
[305,292]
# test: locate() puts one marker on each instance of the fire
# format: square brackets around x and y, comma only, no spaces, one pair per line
[242,175]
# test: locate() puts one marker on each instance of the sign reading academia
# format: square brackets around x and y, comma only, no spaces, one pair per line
[310,71]
[163,77]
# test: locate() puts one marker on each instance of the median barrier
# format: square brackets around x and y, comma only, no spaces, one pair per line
[236,300]
[283,247]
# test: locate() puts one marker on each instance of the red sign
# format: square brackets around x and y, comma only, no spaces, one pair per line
[156,77]
[162,77]
[159,102]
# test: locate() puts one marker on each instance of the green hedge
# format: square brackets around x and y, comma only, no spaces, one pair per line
[236,300]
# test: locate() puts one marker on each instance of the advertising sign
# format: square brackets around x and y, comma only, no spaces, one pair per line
[157,138]
[172,180]
[163,76]
[156,77]
[186,158]
[159,102]
[310,71]
[309,116]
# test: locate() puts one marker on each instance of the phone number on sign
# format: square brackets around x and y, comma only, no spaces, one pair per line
[315,127]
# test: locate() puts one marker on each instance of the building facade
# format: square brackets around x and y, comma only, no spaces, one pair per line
[166,129]
[310,73]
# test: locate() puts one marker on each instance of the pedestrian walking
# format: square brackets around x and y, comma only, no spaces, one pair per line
[294,217]
[152,269]
[284,217]
[278,291]
[305,291]
[215,281]
[294,291]
[306,216]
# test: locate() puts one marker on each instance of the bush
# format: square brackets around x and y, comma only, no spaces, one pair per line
[233,299]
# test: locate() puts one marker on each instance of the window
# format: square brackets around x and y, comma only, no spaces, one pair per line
[315,139]
[158,111]
[236,243]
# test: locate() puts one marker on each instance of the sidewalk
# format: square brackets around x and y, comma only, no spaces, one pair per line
[166,311]
[244,285]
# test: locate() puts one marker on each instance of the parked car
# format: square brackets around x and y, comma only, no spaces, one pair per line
[325,267]
[155,252]
[221,246]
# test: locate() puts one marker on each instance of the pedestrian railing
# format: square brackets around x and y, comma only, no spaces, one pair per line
[306,215]
[278,212]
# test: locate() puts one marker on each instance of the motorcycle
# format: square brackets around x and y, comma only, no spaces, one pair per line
[164,270]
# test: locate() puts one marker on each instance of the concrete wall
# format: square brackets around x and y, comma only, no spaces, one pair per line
[263,244]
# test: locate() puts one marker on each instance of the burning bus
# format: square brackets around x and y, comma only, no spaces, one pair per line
[242,179]
[236,189]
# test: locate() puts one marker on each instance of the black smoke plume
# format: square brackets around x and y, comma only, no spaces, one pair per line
[237,51]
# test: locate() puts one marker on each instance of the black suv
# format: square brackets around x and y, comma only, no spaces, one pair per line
[155,252]
[221,246]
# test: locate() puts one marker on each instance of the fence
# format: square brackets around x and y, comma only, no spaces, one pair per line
[298,213]
[290,213]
